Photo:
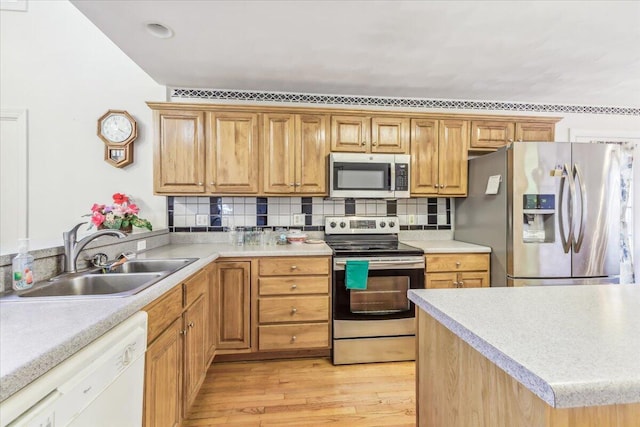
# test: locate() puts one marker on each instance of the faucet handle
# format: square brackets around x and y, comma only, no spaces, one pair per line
[71,234]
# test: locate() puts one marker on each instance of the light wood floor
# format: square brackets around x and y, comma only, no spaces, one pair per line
[306,392]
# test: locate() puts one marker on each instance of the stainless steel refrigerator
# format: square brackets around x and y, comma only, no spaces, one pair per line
[554,217]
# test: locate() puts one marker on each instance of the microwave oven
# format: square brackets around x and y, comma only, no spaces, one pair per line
[365,176]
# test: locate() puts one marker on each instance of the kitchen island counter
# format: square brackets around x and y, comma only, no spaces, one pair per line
[571,346]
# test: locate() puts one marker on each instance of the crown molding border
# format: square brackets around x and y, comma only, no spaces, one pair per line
[177,94]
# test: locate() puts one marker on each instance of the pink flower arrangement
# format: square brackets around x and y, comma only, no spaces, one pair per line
[122,214]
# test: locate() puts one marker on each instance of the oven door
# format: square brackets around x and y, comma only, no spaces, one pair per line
[385,297]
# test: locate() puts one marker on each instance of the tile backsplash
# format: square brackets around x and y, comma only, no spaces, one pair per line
[197,214]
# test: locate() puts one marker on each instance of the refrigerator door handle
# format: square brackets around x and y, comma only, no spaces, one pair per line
[566,240]
[583,200]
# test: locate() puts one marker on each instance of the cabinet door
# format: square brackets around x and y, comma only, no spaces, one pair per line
[441,280]
[194,350]
[390,135]
[311,156]
[350,134]
[535,131]
[179,152]
[491,134]
[163,379]
[452,157]
[279,153]
[233,296]
[232,161]
[424,157]
[475,279]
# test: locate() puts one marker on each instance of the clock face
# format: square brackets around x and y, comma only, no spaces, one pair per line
[116,128]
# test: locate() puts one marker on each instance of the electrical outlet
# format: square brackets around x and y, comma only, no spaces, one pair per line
[202,220]
[142,245]
[411,219]
[297,219]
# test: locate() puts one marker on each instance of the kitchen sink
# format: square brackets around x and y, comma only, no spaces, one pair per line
[123,280]
[150,265]
[95,284]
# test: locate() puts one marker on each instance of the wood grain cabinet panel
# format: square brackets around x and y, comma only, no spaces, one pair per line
[281,266]
[469,270]
[350,134]
[293,337]
[195,362]
[535,131]
[293,309]
[179,152]
[232,160]
[487,134]
[370,134]
[233,295]
[424,157]
[294,285]
[390,135]
[163,312]
[295,154]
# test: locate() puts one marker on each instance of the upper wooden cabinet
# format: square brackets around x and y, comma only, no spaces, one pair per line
[232,157]
[365,134]
[488,135]
[179,152]
[439,157]
[294,151]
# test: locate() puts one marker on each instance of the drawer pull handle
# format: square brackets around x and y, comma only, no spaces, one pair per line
[294,286]
[294,267]
[294,338]
[294,310]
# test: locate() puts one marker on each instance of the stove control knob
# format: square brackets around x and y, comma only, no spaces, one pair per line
[383,224]
[332,224]
[392,224]
[343,224]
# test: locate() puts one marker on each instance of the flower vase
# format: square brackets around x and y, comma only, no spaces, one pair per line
[128,229]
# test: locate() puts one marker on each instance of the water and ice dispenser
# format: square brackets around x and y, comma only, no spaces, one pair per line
[539,212]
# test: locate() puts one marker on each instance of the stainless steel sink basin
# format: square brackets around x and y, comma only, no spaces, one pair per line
[151,265]
[123,280]
[95,284]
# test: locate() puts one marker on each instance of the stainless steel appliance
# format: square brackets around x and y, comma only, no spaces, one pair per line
[554,218]
[369,175]
[376,324]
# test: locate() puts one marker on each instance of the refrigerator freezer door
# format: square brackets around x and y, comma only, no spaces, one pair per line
[596,225]
[536,168]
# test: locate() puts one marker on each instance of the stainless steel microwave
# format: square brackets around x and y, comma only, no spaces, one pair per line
[369,175]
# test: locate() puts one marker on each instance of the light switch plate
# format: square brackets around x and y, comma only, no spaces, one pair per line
[202,219]
[142,245]
[297,219]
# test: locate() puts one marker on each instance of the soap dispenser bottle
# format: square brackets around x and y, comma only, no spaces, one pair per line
[22,267]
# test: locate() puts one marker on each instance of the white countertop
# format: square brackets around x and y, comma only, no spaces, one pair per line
[446,246]
[570,345]
[37,335]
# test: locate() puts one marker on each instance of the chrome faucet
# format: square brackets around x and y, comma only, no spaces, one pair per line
[72,248]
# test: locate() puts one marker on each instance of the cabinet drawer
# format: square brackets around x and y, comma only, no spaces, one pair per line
[293,309]
[292,337]
[292,285]
[293,265]
[163,312]
[194,287]
[457,262]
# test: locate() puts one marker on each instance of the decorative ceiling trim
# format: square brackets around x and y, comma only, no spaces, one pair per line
[177,94]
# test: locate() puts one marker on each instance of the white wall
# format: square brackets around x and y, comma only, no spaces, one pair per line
[56,64]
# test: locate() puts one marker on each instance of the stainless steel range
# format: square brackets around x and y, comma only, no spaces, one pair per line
[377,323]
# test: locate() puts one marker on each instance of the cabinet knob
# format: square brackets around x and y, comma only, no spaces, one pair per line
[294,310]
[435,185]
[294,267]
[183,332]
[458,263]
[362,144]
[297,184]
[456,284]
[212,183]
[291,184]
[294,286]
[294,338]
[374,143]
[441,185]
[200,183]
[190,324]
[461,283]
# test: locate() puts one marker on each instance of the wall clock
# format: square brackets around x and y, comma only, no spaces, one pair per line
[118,129]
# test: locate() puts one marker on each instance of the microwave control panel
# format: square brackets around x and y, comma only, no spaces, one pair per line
[402,177]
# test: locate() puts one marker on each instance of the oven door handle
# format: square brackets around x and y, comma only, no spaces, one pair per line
[381,265]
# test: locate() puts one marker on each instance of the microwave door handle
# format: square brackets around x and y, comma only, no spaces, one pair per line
[393,177]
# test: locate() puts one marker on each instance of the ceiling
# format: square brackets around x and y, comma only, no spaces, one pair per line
[568,52]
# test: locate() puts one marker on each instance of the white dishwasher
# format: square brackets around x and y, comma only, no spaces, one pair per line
[99,386]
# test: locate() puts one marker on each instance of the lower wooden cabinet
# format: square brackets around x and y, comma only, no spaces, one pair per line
[163,378]
[176,358]
[457,270]
[233,296]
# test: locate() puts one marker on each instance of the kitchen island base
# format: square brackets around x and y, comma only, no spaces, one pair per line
[458,386]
